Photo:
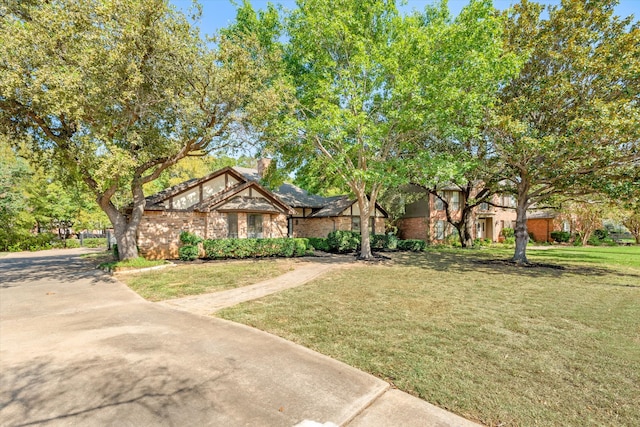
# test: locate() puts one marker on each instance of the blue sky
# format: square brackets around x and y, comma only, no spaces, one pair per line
[220,13]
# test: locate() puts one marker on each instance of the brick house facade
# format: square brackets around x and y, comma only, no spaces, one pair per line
[232,203]
[426,219]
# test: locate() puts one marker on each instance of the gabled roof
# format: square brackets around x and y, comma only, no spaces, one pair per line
[187,185]
[334,206]
[247,204]
[222,199]
[290,194]
[283,199]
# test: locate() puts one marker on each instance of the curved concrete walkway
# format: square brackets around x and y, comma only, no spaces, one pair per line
[210,303]
[79,348]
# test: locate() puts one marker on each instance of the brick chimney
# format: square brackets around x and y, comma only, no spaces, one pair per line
[263,164]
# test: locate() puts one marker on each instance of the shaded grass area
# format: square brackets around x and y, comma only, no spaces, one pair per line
[495,343]
[130,264]
[200,278]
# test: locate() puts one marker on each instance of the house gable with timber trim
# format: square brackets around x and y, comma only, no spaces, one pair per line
[231,203]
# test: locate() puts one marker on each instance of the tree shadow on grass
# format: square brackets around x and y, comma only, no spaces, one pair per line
[474,262]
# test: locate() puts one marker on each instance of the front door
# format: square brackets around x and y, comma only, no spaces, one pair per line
[480,229]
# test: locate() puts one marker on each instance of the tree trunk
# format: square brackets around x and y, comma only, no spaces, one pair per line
[125,229]
[365,245]
[521,233]
[466,235]
[365,209]
[126,240]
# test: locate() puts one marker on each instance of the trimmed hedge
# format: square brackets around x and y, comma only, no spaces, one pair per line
[343,241]
[254,248]
[188,253]
[94,242]
[189,238]
[413,245]
[384,241]
[560,236]
[319,243]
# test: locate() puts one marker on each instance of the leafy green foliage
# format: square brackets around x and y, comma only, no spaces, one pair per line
[113,93]
[94,242]
[319,243]
[189,238]
[561,236]
[254,248]
[413,245]
[384,241]
[508,232]
[188,252]
[342,241]
[568,123]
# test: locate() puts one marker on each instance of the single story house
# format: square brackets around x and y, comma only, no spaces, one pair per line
[231,202]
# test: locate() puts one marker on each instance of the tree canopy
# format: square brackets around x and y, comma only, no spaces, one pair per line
[113,93]
[571,115]
[372,86]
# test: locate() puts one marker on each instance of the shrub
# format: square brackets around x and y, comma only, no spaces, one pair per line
[482,242]
[413,245]
[392,241]
[189,238]
[510,240]
[601,234]
[16,242]
[595,241]
[94,242]
[560,236]
[384,241]
[508,232]
[343,241]
[319,243]
[301,246]
[69,243]
[188,252]
[258,248]
[378,241]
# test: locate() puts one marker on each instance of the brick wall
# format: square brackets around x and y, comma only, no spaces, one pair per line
[541,229]
[320,227]
[413,228]
[159,232]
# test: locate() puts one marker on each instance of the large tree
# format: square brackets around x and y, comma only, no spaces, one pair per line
[113,93]
[15,219]
[370,85]
[470,61]
[572,112]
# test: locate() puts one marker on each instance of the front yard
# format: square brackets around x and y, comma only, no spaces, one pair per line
[557,344]
[199,278]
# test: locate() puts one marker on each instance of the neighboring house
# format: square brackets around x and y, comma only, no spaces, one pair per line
[426,218]
[541,223]
[231,203]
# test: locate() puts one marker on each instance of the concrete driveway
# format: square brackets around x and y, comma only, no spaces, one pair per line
[79,348]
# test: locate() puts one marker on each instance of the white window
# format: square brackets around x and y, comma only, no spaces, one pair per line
[254,226]
[439,230]
[439,205]
[455,200]
[232,225]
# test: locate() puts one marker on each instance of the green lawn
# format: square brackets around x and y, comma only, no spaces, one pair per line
[194,279]
[502,345]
